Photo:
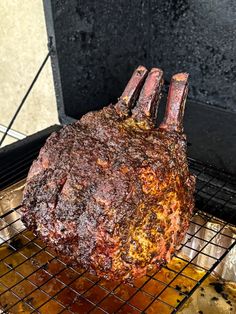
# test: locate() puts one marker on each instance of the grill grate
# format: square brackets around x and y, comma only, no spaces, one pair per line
[33,279]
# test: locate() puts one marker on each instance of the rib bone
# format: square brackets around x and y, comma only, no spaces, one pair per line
[131,92]
[173,119]
[147,105]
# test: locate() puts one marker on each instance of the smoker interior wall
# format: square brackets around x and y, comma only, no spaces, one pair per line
[99,43]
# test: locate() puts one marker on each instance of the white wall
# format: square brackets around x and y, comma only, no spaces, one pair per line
[23,46]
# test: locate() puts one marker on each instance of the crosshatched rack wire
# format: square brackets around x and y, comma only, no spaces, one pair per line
[79,292]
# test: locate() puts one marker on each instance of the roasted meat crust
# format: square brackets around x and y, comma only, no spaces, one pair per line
[111,196]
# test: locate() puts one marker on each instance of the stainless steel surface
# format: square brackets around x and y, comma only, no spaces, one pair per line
[221,236]
[10,198]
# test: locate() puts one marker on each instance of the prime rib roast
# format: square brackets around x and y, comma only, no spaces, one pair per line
[111,192]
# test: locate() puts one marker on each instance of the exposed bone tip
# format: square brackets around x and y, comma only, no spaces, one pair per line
[140,69]
[173,119]
[157,70]
[180,77]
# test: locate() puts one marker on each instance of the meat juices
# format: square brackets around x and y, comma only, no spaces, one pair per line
[111,192]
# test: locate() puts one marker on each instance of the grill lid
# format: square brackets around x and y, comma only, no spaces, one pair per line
[97,45]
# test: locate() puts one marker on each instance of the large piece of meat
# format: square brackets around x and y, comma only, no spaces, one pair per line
[111,192]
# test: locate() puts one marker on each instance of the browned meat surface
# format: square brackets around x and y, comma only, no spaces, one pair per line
[111,192]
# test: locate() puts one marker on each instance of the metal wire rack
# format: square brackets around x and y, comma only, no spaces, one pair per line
[34,280]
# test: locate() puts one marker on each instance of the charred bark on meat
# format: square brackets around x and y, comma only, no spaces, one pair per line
[111,192]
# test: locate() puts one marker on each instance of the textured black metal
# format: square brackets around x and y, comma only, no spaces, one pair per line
[99,43]
[16,159]
[211,134]
[212,185]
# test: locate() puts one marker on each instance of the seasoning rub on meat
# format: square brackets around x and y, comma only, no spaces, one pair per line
[111,192]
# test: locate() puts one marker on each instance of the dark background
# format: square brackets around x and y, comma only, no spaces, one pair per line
[99,43]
